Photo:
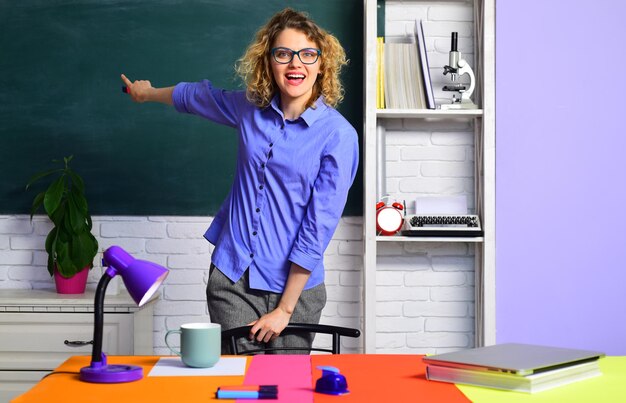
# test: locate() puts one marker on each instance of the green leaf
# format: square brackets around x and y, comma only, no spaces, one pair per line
[53,196]
[50,248]
[65,266]
[77,182]
[74,250]
[67,228]
[60,251]
[63,235]
[51,240]
[80,200]
[94,246]
[59,215]
[38,176]
[82,250]
[51,264]
[36,204]
[76,218]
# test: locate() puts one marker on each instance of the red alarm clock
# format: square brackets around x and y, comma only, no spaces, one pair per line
[389,219]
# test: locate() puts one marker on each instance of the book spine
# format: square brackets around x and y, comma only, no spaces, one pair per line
[427,83]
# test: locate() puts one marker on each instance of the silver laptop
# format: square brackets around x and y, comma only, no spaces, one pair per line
[514,358]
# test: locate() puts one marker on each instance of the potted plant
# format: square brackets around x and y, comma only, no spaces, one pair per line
[70,244]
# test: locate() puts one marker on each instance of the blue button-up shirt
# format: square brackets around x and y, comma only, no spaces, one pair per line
[290,186]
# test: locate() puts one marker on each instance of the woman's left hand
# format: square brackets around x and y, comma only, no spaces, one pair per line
[269,326]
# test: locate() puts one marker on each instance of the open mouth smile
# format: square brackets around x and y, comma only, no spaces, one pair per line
[295,78]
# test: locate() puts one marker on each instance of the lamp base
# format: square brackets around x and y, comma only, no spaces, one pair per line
[111,373]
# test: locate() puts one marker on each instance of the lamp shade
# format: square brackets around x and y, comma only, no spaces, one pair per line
[141,278]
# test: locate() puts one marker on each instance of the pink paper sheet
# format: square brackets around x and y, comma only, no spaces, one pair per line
[292,374]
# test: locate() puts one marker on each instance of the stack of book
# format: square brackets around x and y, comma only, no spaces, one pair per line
[403,76]
[516,367]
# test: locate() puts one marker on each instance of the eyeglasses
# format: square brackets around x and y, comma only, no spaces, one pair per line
[285,55]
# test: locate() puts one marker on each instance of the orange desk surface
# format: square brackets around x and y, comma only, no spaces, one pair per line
[371,378]
[67,388]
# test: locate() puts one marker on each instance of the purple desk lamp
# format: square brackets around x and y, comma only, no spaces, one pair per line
[142,279]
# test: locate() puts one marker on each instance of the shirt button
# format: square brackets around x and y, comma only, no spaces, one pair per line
[262,165]
[271,144]
[254,233]
[258,209]
[261,187]
[252,255]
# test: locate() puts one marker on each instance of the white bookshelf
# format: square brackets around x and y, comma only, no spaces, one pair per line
[483,121]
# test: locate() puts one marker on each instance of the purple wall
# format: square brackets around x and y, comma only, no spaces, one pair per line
[561,174]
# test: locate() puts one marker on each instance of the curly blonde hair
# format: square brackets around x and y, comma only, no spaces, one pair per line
[255,69]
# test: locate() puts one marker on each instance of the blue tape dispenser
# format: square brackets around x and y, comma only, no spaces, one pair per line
[331,382]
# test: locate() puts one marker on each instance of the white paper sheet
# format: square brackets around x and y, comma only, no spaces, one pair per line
[441,205]
[173,366]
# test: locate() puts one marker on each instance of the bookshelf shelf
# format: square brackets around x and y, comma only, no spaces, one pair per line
[428,113]
[428,239]
[380,125]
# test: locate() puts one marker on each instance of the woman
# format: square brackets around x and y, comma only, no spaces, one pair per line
[296,161]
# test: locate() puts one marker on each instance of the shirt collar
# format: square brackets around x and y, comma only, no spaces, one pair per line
[310,115]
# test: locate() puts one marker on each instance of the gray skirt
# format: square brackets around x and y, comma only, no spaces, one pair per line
[236,304]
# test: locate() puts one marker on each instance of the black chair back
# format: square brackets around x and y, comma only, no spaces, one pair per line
[230,337]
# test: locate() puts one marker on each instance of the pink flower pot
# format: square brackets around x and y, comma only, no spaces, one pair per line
[73,285]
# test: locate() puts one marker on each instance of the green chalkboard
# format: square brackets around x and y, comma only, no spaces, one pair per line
[60,95]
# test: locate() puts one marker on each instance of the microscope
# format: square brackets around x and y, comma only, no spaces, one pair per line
[457,67]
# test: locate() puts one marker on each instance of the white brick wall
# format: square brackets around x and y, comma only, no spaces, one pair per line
[176,243]
[425,292]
